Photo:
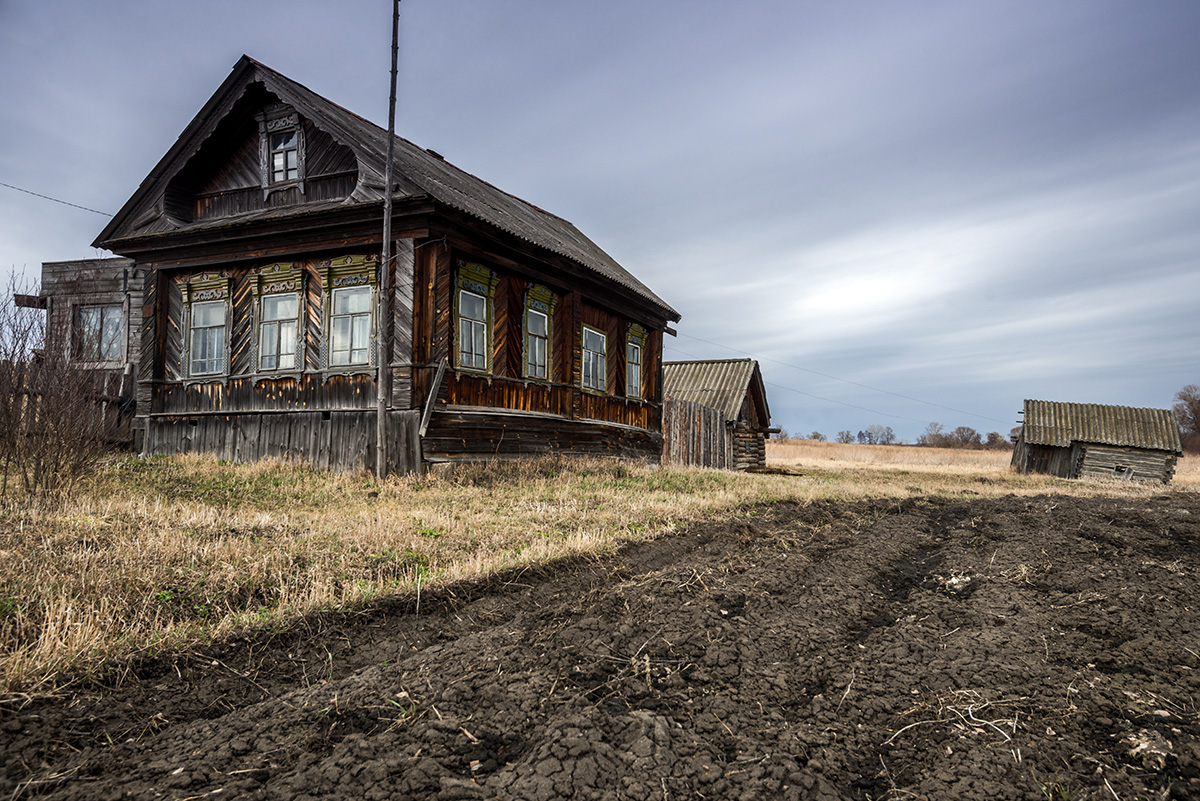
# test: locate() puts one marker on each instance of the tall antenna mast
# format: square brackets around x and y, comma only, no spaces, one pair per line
[383,384]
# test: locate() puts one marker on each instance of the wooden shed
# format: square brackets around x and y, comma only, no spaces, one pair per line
[715,414]
[1089,440]
[503,331]
[93,318]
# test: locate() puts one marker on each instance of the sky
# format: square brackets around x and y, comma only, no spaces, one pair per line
[907,212]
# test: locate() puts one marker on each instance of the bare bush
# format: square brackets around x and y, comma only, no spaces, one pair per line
[1187,413]
[54,426]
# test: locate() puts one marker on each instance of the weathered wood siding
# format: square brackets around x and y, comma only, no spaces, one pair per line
[504,387]
[1090,460]
[71,285]
[324,416]
[1110,461]
[339,440]
[695,435]
[220,182]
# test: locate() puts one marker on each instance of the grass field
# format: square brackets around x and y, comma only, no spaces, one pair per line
[164,553]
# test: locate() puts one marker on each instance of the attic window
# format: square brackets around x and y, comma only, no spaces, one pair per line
[282,137]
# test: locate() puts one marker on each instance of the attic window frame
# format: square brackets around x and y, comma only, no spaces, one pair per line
[274,121]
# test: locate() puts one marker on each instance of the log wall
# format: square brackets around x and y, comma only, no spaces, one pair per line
[472,434]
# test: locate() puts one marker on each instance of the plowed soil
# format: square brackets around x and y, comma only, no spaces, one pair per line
[1010,648]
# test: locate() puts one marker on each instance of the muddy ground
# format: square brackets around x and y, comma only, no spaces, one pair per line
[1025,648]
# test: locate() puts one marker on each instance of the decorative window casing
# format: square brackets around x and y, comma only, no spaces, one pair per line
[635,349]
[279,303]
[281,135]
[475,289]
[539,316]
[594,347]
[97,333]
[206,314]
[349,295]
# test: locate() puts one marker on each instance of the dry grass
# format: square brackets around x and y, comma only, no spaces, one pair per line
[956,463]
[163,553]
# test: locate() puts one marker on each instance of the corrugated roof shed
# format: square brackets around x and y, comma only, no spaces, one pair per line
[419,172]
[1060,424]
[720,384]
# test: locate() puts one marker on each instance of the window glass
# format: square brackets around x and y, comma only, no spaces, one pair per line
[594,346]
[277,334]
[350,326]
[285,164]
[633,370]
[472,330]
[207,349]
[97,334]
[537,327]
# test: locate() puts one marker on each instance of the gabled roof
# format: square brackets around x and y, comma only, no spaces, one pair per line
[721,384]
[419,173]
[1060,424]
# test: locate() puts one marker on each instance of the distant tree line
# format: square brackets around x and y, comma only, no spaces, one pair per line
[936,436]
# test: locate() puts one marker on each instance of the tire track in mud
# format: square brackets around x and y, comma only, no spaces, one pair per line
[939,648]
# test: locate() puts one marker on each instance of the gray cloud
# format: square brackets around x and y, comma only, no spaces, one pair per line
[964,203]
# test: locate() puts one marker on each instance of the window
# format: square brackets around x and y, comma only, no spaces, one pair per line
[350,326]
[537,339]
[633,370]
[634,349]
[285,157]
[97,333]
[472,330]
[594,346]
[277,332]
[476,288]
[281,138]
[207,350]
[348,295]
[539,311]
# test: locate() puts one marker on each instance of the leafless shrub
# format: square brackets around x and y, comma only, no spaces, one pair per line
[1187,412]
[54,425]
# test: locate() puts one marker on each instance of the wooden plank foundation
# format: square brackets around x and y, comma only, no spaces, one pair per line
[342,441]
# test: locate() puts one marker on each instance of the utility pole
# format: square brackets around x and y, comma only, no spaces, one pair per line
[382,383]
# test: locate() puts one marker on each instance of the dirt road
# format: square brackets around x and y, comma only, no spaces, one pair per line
[1022,648]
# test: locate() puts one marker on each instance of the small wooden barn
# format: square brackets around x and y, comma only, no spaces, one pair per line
[1089,440]
[715,414]
[265,324]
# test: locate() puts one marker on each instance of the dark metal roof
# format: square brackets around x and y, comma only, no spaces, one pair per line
[418,173]
[721,384]
[1060,424]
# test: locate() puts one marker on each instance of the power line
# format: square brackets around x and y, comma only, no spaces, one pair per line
[853,383]
[819,397]
[56,200]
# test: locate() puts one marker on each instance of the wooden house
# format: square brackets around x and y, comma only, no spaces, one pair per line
[504,331]
[93,309]
[716,414]
[1089,440]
